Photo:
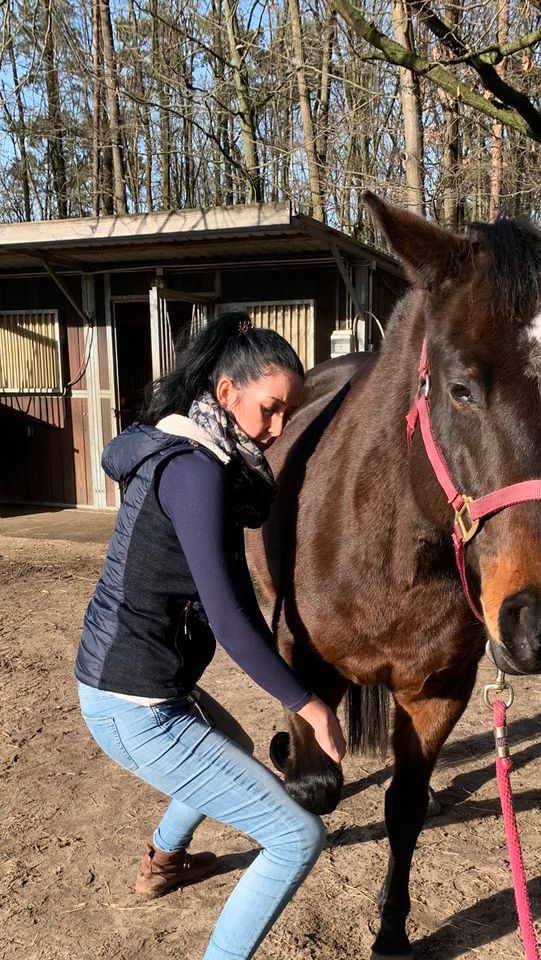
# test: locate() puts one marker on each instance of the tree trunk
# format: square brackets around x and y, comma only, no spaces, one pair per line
[451,162]
[411,112]
[496,165]
[55,135]
[246,111]
[96,108]
[140,184]
[324,93]
[144,111]
[113,109]
[453,208]
[223,168]
[21,133]
[159,69]
[186,71]
[287,134]
[314,173]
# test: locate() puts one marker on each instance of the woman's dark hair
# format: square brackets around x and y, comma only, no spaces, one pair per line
[228,346]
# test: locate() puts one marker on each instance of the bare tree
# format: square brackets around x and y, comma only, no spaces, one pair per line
[317,209]
[411,111]
[158,72]
[451,153]
[496,172]
[20,129]
[246,110]
[512,106]
[55,134]
[169,104]
[113,109]
[96,107]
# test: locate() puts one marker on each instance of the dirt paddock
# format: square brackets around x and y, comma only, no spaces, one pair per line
[74,824]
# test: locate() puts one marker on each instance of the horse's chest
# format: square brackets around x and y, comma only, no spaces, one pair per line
[386,631]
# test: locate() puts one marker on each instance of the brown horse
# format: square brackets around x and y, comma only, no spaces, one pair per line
[357,555]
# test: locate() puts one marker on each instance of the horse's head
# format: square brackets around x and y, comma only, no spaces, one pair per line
[480,308]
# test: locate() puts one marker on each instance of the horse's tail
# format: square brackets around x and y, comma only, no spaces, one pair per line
[368,715]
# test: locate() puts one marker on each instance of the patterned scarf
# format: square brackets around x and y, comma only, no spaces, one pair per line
[251,475]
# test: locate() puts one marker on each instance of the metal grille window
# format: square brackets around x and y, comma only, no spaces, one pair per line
[293,319]
[30,352]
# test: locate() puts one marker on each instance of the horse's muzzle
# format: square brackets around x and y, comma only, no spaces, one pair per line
[519,624]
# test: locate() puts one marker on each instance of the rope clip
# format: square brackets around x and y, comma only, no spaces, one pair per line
[499,685]
[497,688]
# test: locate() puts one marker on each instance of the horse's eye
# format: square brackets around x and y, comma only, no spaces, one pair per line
[460,393]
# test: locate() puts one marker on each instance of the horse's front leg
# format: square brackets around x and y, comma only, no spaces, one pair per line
[421,727]
[310,775]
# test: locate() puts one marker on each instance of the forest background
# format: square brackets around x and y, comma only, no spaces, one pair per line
[140,105]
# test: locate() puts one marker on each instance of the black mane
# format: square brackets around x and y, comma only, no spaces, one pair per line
[514,247]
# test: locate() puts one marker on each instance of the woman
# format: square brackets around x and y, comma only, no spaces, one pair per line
[175,577]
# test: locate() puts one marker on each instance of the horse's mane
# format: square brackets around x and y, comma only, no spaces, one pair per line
[514,248]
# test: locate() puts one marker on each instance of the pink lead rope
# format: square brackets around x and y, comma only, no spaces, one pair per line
[503,768]
[468,513]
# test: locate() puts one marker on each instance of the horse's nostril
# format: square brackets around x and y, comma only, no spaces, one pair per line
[514,613]
[520,619]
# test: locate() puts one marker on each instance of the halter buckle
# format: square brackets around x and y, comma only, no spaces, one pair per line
[464,520]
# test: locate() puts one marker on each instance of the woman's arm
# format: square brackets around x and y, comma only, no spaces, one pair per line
[194,494]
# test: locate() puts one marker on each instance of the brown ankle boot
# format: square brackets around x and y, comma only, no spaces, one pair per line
[160,872]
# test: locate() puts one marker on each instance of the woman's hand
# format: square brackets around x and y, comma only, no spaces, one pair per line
[326,727]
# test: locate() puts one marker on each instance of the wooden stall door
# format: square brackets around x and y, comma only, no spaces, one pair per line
[161,335]
[293,319]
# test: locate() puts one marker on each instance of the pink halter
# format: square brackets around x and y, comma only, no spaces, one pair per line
[468,511]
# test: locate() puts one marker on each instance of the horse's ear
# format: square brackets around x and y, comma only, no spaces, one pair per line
[429,254]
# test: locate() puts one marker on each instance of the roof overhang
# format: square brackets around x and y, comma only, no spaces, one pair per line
[203,237]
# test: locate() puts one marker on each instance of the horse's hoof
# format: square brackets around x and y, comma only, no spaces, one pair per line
[279,750]
[401,943]
[391,956]
[317,792]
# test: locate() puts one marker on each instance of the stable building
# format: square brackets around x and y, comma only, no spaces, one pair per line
[90,310]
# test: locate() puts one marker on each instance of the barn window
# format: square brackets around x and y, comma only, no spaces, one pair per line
[30,352]
[294,319]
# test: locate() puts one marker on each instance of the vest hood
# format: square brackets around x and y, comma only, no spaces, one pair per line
[124,454]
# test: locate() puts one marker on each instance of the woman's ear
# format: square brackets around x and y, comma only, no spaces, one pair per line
[226,392]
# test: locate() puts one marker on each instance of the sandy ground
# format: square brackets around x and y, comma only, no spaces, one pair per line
[74,824]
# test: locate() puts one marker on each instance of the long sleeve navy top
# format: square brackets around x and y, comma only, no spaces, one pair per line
[195,495]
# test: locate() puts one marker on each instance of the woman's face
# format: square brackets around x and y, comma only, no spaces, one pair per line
[262,407]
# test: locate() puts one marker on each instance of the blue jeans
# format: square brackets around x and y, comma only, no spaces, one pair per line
[179,749]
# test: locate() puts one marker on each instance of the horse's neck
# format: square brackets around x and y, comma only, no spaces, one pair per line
[373,479]
[376,408]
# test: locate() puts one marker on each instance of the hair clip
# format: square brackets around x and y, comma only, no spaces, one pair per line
[245,325]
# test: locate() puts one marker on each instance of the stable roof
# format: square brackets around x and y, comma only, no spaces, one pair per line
[215,236]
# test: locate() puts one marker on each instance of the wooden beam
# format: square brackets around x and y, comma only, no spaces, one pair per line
[87,320]
[140,227]
[187,297]
[313,230]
